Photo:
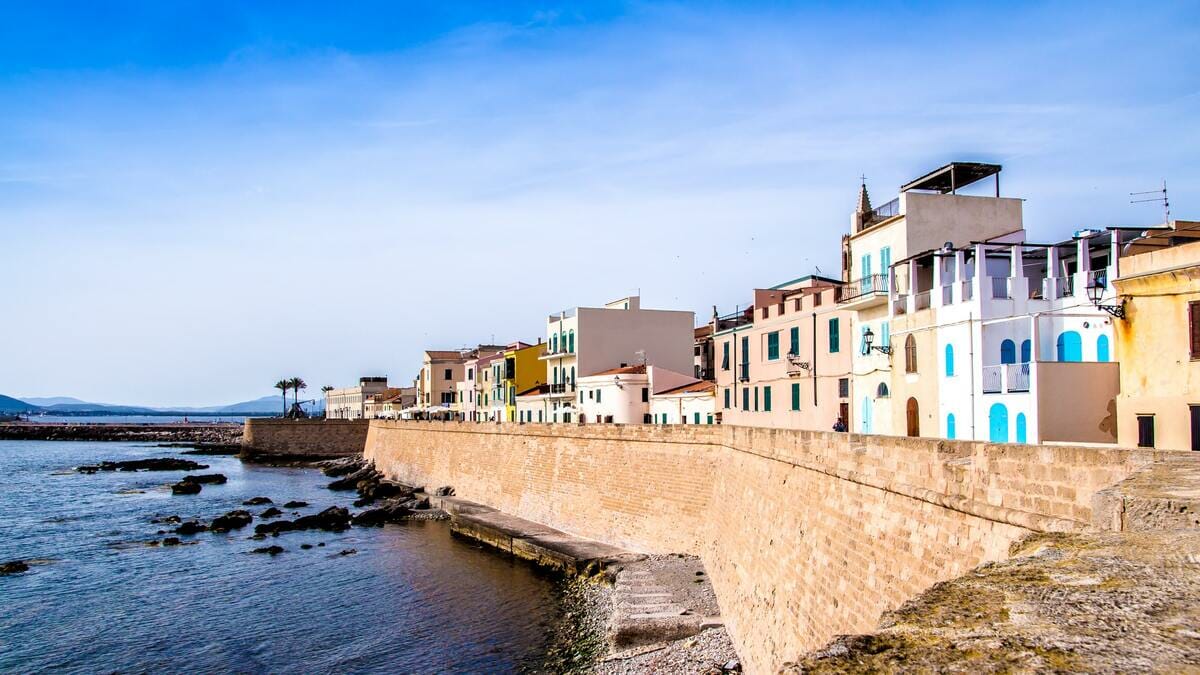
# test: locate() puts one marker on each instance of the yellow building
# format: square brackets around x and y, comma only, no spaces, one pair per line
[1158,343]
[520,371]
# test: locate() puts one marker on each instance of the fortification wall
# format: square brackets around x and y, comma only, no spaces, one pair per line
[304,438]
[805,534]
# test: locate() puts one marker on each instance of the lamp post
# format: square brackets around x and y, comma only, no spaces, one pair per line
[1095,291]
[868,343]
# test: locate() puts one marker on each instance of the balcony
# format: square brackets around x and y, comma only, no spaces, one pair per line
[948,294]
[1006,378]
[865,292]
[921,300]
[743,372]
[563,389]
[882,213]
[796,367]
[559,354]
[1001,288]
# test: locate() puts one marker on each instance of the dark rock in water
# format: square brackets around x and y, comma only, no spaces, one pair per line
[234,520]
[445,491]
[393,512]
[271,513]
[257,501]
[191,527]
[341,467]
[305,546]
[363,501]
[206,478]
[258,537]
[321,544]
[14,567]
[416,504]
[171,541]
[168,520]
[185,487]
[332,519]
[270,550]
[155,464]
[351,481]
[385,489]
[348,551]
[294,504]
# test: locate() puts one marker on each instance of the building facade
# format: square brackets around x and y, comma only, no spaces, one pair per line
[349,403]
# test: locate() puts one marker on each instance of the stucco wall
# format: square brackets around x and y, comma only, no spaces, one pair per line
[304,438]
[805,534]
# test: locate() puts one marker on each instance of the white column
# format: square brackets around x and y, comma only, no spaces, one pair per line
[960,273]
[935,293]
[1018,287]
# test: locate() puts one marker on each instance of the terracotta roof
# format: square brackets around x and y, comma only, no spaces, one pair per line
[484,360]
[697,387]
[632,370]
[436,354]
[702,331]
[385,395]
[535,391]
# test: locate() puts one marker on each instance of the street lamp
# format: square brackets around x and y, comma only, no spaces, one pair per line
[1095,292]
[868,343]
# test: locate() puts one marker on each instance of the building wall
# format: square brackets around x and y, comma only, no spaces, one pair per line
[924,385]
[805,534]
[623,400]
[683,409]
[869,412]
[609,337]
[1077,402]
[1159,377]
[304,438]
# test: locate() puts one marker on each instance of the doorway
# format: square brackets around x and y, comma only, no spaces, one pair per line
[914,419]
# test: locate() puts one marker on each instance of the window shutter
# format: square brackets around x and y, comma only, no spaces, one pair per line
[1194,328]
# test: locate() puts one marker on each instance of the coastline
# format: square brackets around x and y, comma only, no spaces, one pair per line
[211,435]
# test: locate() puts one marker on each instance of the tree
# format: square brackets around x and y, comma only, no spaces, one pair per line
[283,386]
[297,384]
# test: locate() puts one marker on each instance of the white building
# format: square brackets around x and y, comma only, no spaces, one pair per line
[349,403]
[692,403]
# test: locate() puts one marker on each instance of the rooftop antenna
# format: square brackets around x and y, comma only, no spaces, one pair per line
[1162,197]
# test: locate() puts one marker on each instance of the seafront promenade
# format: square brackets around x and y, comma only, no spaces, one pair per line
[808,536]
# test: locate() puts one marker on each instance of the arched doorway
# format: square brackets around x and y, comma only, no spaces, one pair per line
[998,423]
[913,417]
[1069,346]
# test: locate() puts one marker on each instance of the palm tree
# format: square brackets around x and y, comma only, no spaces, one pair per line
[283,386]
[297,384]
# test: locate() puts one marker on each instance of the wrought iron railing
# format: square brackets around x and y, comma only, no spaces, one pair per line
[869,285]
[993,379]
[1016,377]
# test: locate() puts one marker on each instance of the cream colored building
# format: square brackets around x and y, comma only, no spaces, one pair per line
[1158,342]
[349,403]
[692,403]
[588,340]
[928,213]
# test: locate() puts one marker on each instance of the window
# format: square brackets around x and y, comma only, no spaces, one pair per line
[590,395]
[572,376]
[555,371]
[781,309]
[1026,349]
[1146,429]
[571,342]
[646,418]
[844,387]
[862,341]
[756,399]
[835,336]
[727,398]
[950,426]
[598,393]
[949,360]
[796,304]
[710,419]
[882,390]
[1102,349]
[1021,427]
[795,396]
[1069,346]
[1008,352]
[866,266]
[645,395]
[766,312]
[725,355]
[745,399]
[539,415]
[554,343]
[794,341]
[885,260]
[885,334]
[470,373]
[910,354]
[767,399]
[1193,331]
[817,299]
[773,346]
[696,417]
[448,375]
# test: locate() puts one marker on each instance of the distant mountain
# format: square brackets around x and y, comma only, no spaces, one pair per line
[54,400]
[9,404]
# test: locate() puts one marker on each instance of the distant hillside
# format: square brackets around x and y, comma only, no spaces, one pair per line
[51,400]
[9,404]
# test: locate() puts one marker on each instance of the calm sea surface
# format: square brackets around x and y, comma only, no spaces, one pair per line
[412,599]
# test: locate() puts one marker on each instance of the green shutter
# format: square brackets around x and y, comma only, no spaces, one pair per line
[835,337]
[726,398]
[767,399]
[794,348]
[772,345]
[795,396]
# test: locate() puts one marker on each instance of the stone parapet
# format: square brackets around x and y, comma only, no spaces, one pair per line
[304,439]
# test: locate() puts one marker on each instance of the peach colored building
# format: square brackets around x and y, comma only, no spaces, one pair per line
[786,361]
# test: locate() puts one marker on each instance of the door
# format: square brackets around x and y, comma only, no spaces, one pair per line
[1195,410]
[914,420]
[844,413]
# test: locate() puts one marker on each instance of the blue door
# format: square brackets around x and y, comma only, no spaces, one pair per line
[866,414]
[1069,346]
[1008,352]
[1102,349]
[1026,351]
[950,426]
[998,423]
[1021,428]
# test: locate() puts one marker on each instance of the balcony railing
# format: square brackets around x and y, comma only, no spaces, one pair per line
[1012,378]
[968,289]
[993,379]
[921,300]
[1000,290]
[885,211]
[795,366]
[1063,287]
[562,388]
[948,294]
[871,284]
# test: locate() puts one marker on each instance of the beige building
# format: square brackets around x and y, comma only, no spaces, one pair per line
[928,214]
[349,403]
[588,340]
[786,361]
[1158,342]
[692,403]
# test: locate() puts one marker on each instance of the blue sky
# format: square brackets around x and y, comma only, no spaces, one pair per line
[199,198]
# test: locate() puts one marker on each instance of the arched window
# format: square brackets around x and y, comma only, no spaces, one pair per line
[1008,352]
[910,354]
[866,414]
[913,418]
[1026,351]
[950,426]
[554,343]
[571,342]
[1069,346]
[998,423]
[882,390]
[1021,428]
[1102,349]
[555,374]
[949,360]
[572,376]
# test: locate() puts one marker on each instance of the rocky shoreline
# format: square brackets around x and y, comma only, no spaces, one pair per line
[225,437]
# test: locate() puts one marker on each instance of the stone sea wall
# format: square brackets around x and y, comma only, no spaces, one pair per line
[806,534]
[304,438]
